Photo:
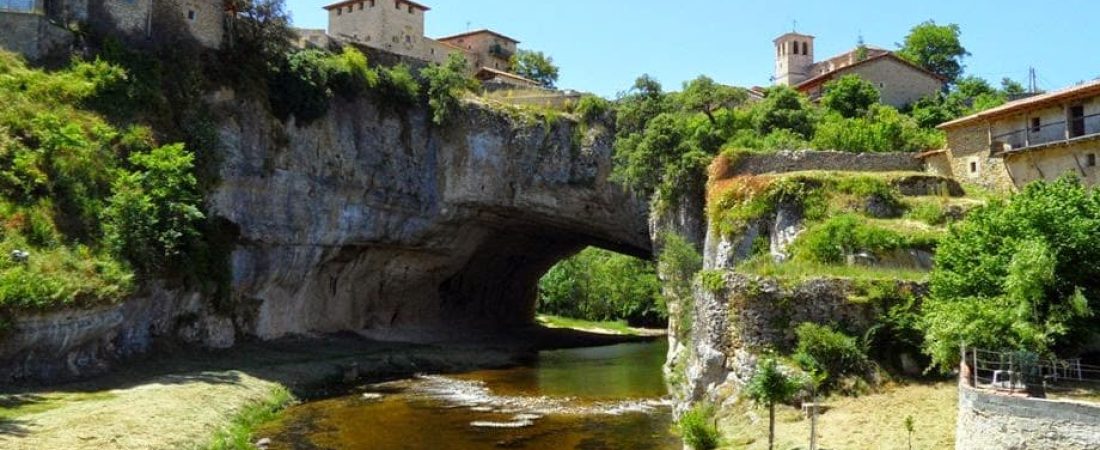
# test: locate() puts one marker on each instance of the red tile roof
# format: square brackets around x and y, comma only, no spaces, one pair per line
[471,33]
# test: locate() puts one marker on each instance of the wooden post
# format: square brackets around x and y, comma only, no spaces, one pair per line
[974,368]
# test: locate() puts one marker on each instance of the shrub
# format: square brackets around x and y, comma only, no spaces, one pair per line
[820,348]
[850,96]
[446,83]
[154,213]
[845,234]
[698,429]
[352,75]
[713,281]
[398,87]
[591,108]
[300,85]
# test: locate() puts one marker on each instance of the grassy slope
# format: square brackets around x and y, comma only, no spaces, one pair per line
[874,421]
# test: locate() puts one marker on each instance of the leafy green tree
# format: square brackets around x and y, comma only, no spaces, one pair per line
[154,213]
[704,95]
[936,48]
[644,101]
[768,386]
[535,66]
[601,285]
[446,84]
[1012,88]
[1017,274]
[784,108]
[850,96]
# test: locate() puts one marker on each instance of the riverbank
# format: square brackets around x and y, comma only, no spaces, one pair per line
[182,399]
[617,327]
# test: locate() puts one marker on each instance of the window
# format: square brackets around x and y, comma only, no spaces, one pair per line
[371,3]
[805,48]
[339,11]
[190,14]
[360,6]
[973,167]
[408,39]
[1090,160]
[411,9]
[397,5]
[1036,125]
[350,9]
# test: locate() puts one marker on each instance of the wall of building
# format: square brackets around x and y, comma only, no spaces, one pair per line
[128,16]
[481,46]
[392,25]
[205,20]
[939,164]
[1049,163]
[31,34]
[990,421]
[898,83]
[968,150]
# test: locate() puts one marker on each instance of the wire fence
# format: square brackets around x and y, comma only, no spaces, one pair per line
[1023,371]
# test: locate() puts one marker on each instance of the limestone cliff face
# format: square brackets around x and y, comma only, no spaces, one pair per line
[369,219]
[376,219]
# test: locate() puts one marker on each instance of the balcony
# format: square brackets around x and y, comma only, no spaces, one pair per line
[496,50]
[19,6]
[1085,127]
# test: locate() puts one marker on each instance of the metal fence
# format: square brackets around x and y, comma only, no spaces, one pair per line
[1013,371]
[25,6]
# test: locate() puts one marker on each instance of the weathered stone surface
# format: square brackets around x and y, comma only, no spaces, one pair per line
[369,219]
[989,421]
[796,161]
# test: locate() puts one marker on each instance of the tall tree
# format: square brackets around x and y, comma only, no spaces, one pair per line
[936,48]
[536,66]
[851,96]
[770,385]
[704,95]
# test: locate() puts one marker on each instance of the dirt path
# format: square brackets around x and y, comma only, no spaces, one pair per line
[180,401]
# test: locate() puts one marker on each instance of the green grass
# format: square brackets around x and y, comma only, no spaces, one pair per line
[797,271]
[617,326]
[14,406]
[238,435]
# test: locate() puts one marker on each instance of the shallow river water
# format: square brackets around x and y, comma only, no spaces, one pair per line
[592,398]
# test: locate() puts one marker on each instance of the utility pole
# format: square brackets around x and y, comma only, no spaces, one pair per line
[1032,81]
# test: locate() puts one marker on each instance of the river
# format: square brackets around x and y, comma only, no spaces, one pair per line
[590,398]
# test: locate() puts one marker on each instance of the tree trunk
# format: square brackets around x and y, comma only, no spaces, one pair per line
[771,426]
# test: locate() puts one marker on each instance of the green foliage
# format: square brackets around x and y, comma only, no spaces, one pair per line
[1017,274]
[154,212]
[784,108]
[884,129]
[714,281]
[698,429]
[678,262]
[770,385]
[821,349]
[599,285]
[704,95]
[535,66]
[591,108]
[850,96]
[936,48]
[446,84]
[304,82]
[845,234]
[398,87]
[238,435]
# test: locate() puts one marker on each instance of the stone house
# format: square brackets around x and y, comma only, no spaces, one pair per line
[1037,138]
[899,82]
[488,48]
[38,26]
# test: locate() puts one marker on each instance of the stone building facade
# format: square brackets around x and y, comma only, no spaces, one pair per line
[488,48]
[40,26]
[899,82]
[1037,138]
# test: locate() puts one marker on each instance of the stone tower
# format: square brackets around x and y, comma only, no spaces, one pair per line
[794,57]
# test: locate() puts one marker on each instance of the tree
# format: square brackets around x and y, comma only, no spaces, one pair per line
[1017,274]
[154,212]
[936,48]
[784,108]
[446,84]
[704,95]
[910,427]
[535,66]
[850,95]
[770,385]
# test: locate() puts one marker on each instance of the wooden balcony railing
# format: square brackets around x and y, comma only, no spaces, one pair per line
[1047,133]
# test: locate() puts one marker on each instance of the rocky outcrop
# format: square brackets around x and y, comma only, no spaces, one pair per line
[369,219]
[372,218]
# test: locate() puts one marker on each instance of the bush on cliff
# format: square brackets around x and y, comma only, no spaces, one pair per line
[1017,274]
[823,350]
[61,166]
[446,85]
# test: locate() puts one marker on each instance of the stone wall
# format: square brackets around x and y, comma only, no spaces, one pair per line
[794,161]
[31,35]
[968,150]
[988,421]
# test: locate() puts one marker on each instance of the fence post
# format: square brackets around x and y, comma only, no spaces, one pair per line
[974,353]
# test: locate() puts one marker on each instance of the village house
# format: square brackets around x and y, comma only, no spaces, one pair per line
[397,26]
[1037,138]
[36,27]
[899,82]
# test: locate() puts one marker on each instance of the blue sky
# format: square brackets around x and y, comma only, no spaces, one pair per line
[603,45]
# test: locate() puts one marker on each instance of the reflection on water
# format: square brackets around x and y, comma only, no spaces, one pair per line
[596,398]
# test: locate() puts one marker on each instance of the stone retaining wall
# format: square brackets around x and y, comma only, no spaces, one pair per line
[988,421]
[795,161]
